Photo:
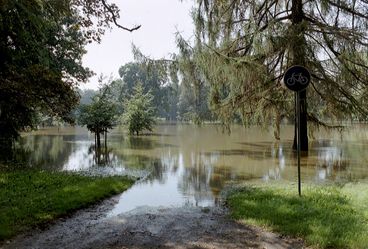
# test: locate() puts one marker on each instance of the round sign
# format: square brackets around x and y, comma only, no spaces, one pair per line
[297,78]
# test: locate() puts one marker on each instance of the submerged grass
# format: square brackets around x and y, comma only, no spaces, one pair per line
[325,216]
[32,198]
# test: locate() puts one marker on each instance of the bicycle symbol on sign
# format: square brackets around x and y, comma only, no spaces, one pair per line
[297,78]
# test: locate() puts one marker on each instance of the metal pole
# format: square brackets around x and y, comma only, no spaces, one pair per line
[298,141]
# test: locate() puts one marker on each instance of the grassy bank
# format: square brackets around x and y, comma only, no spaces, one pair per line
[32,198]
[325,216]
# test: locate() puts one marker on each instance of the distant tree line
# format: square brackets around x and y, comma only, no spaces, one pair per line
[144,92]
[174,96]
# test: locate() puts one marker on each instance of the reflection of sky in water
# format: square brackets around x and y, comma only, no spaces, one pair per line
[157,193]
[190,165]
[276,169]
[328,157]
[80,158]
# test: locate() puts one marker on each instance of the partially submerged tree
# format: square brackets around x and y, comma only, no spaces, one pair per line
[139,112]
[98,117]
[244,47]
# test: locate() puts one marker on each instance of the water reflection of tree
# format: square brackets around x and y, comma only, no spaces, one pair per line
[102,156]
[157,171]
[42,151]
[340,160]
[196,177]
[138,143]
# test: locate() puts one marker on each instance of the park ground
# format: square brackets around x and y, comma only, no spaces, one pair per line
[261,216]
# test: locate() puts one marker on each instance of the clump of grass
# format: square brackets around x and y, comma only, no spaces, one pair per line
[325,216]
[32,198]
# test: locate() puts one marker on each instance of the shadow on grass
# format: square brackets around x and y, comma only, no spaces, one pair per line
[323,217]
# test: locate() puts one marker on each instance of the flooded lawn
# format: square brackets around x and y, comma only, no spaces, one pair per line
[190,165]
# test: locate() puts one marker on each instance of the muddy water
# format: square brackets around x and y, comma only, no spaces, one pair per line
[190,165]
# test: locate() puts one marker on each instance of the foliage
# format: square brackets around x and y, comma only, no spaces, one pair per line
[182,98]
[154,78]
[32,68]
[193,103]
[99,116]
[41,48]
[326,217]
[86,96]
[32,198]
[139,112]
[243,48]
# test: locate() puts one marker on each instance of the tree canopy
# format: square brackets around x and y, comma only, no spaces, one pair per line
[243,48]
[139,111]
[98,116]
[154,78]
[183,92]
[41,48]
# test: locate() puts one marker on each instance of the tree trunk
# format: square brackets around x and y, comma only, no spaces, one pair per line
[303,123]
[95,140]
[105,138]
[98,140]
[298,51]
[276,132]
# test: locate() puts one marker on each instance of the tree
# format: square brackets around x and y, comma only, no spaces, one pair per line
[139,112]
[243,48]
[154,78]
[184,94]
[98,117]
[193,98]
[41,48]
[86,96]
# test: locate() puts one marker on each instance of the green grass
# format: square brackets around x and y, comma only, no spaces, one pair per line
[32,198]
[325,216]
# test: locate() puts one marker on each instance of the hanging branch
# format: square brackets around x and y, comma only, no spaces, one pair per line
[114,18]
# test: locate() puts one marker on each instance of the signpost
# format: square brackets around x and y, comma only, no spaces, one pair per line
[297,79]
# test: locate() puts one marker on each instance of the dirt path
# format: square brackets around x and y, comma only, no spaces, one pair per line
[148,227]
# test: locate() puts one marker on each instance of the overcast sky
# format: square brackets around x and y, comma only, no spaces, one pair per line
[160,19]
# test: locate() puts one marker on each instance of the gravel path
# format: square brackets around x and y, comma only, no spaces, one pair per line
[150,227]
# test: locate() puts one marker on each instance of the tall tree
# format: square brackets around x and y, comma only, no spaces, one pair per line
[98,117]
[41,48]
[167,71]
[152,78]
[243,48]
[139,111]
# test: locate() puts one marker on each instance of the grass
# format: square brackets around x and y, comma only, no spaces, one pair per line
[33,198]
[325,216]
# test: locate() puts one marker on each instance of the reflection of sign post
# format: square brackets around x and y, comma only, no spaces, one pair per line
[297,78]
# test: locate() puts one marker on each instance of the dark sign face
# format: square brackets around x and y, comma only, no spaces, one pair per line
[297,78]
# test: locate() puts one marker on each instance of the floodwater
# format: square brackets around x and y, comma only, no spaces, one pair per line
[190,165]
